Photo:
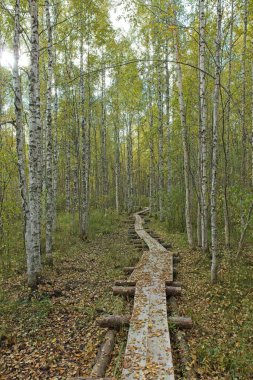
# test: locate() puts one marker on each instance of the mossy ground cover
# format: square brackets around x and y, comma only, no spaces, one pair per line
[52,334]
[221,341]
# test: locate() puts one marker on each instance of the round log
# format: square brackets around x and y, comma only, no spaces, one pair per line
[129,291]
[124,283]
[118,321]
[114,321]
[167,245]
[104,356]
[125,291]
[173,291]
[128,270]
[175,272]
[174,283]
[134,237]
[181,322]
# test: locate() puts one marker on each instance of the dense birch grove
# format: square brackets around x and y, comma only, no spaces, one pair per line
[159,115]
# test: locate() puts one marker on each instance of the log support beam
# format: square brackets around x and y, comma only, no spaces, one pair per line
[118,321]
[128,270]
[104,355]
[129,291]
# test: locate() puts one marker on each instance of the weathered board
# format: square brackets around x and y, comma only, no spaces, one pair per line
[148,352]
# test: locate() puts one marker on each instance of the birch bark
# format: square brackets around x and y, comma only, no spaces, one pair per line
[34,266]
[20,144]
[104,164]
[84,136]
[49,150]
[129,167]
[168,127]
[160,139]
[203,122]
[216,98]
[185,143]
[226,138]
[244,129]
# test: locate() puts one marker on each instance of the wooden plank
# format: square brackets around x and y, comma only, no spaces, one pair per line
[148,352]
[159,357]
[135,355]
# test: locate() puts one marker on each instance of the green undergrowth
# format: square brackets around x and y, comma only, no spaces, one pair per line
[178,240]
[221,342]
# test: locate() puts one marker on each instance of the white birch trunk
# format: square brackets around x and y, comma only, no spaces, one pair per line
[129,168]
[104,164]
[185,144]
[67,175]
[226,138]
[151,145]
[160,139]
[203,123]
[168,128]
[244,128]
[49,145]
[117,164]
[214,242]
[20,144]
[34,148]
[55,155]
[85,153]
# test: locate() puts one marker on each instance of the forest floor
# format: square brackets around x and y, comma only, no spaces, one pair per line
[53,334]
[221,341]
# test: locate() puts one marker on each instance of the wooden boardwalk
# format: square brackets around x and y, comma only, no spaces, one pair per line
[148,352]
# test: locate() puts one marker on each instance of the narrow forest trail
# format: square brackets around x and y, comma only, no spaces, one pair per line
[148,352]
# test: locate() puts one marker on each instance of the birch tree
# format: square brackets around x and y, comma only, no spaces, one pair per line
[160,134]
[216,98]
[34,265]
[203,124]
[84,135]
[49,156]
[226,137]
[20,146]
[188,219]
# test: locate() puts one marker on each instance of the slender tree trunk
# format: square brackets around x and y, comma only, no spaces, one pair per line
[85,164]
[20,139]
[168,135]
[244,129]
[49,158]
[55,156]
[104,164]
[185,144]
[203,123]
[117,165]
[160,138]
[138,186]
[226,139]
[214,242]
[244,229]
[252,118]
[129,168]
[1,144]
[151,151]
[67,175]
[117,151]
[34,265]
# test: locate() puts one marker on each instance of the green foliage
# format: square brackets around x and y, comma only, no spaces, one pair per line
[102,223]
